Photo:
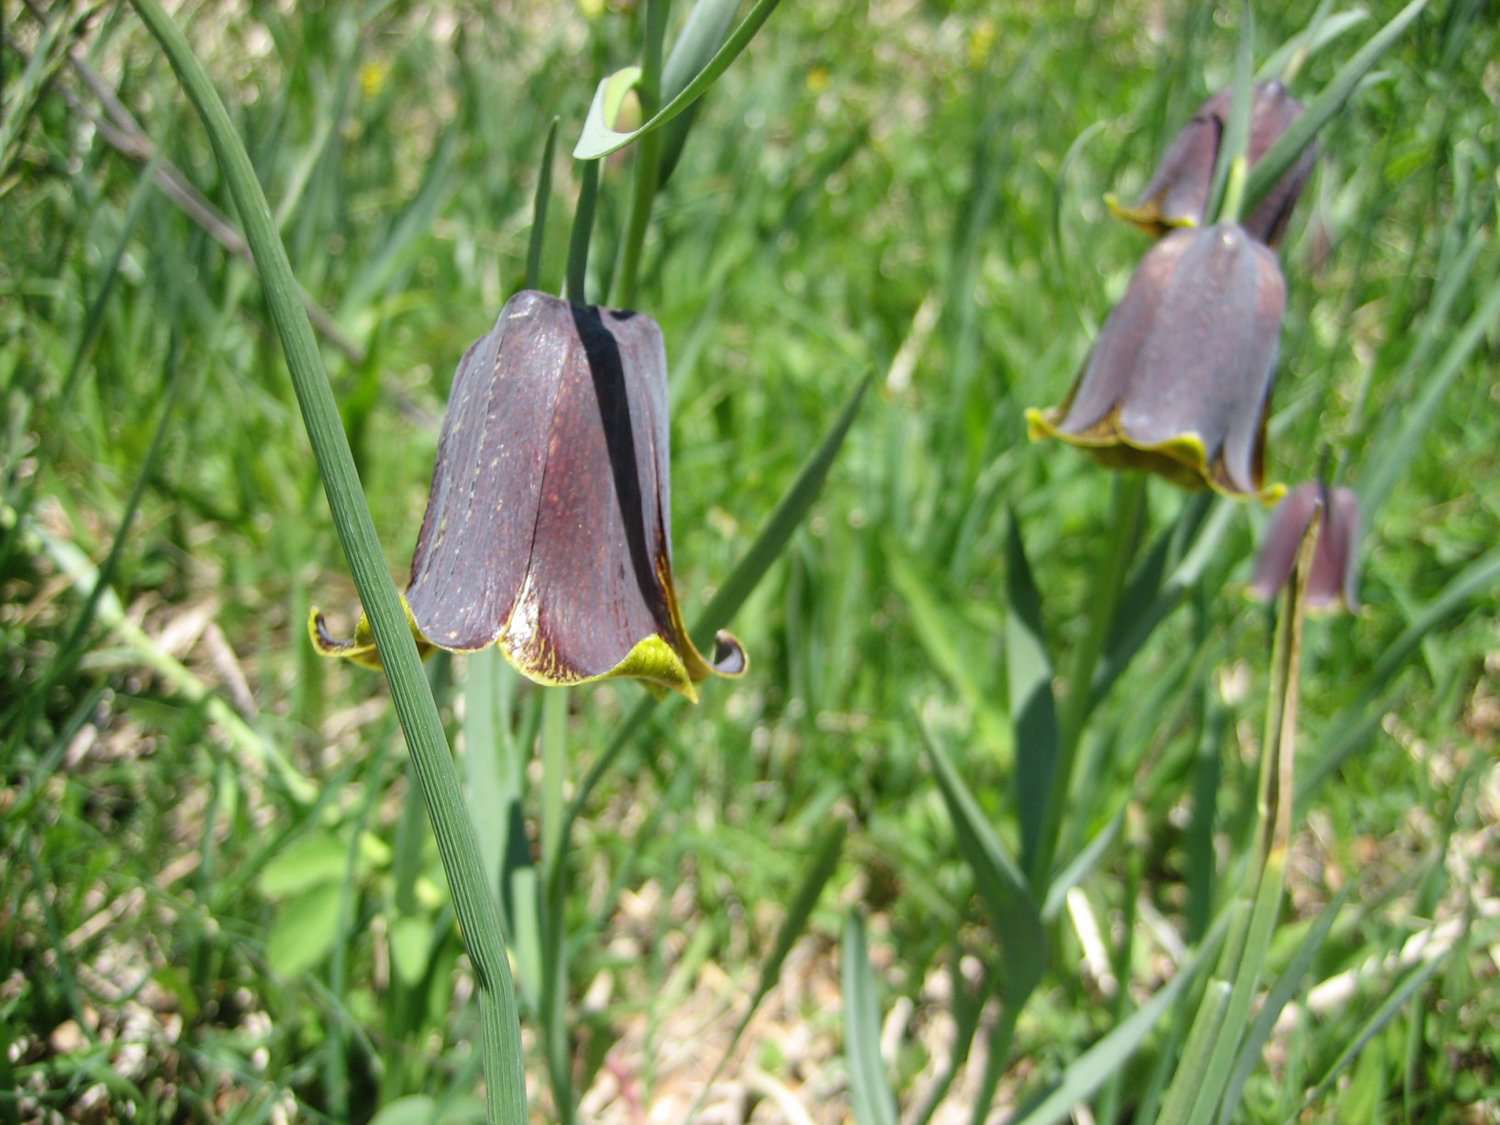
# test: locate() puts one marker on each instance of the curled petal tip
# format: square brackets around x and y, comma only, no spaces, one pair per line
[360,648]
[729,658]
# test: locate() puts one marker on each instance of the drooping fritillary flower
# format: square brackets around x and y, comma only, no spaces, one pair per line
[1179,380]
[548,524]
[1177,195]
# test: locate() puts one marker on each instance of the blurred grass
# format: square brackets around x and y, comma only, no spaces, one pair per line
[854,168]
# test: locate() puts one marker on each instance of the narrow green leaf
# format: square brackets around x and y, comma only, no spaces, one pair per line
[778,529]
[1288,147]
[1390,460]
[477,911]
[1322,30]
[599,138]
[870,1091]
[1014,918]
[1033,712]
[704,32]
[1389,1008]
[1208,1026]
[1091,1069]
[1281,993]
[538,237]
[1353,726]
[1081,866]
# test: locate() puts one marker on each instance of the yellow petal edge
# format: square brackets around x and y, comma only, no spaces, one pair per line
[1148,216]
[1181,458]
[652,660]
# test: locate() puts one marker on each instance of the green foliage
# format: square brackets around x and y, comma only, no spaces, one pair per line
[209,839]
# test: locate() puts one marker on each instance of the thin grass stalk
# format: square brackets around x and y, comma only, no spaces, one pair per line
[476,909]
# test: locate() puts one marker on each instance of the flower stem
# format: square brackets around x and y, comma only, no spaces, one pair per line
[647,157]
[583,231]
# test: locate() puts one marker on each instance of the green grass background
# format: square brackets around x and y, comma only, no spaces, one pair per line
[909,190]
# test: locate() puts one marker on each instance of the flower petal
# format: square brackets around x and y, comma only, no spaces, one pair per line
[1179,379]
[360,648]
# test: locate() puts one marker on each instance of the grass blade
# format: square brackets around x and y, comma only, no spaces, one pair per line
[1288,147]
[825,860]
[1351,727]
[600,139]
[1091,1069]
[702,35]
[1322,30]
[477,910]
[1033,712]
[538,237]
[1014,918]
[1391,459]
[1279,996]
[1389,1008]
[874,1104]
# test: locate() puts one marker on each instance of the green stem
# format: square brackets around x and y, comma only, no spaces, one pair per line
[1234,192]
[1109,581]
[583,231]
[477,911]
[647,158]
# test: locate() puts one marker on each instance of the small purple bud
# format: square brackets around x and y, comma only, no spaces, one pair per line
[1332,583]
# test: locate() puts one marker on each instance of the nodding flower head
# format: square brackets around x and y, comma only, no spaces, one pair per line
[1177,195]
[1332,583]
[548,525]
[1180,378]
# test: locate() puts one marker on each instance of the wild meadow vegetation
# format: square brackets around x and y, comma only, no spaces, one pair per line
[1022,808]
